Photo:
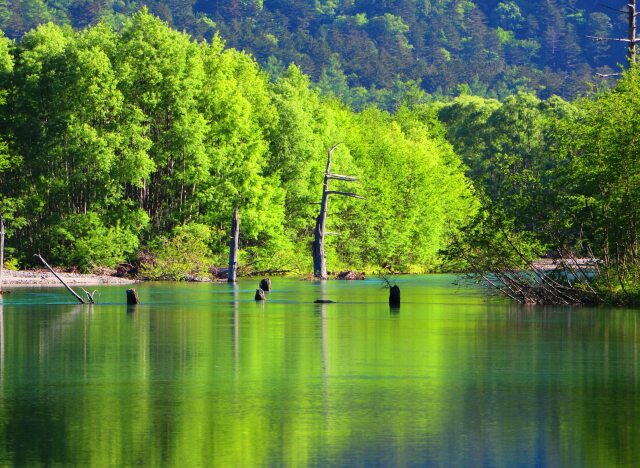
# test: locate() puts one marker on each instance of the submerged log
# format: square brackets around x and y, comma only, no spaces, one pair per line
[132,297]
[394,296]
[259,295]
[324,301]
[265,284]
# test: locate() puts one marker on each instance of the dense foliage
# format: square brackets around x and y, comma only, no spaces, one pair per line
[386,51]
[115,142]
[557,178]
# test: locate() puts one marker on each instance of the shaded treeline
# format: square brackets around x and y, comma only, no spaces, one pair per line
[142,139]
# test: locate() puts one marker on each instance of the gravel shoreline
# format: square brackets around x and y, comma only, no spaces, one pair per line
[39,278]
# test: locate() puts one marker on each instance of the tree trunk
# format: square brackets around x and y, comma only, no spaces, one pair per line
[631,40]
[1,251]
[233,248]
[319,257]
[632,32]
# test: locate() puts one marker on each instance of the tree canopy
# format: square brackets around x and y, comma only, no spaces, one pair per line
[117,140]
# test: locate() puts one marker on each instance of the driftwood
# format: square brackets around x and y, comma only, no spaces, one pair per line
[75,294]
[319,233]
[233,247]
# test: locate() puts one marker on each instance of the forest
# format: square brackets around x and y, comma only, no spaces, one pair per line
[142,141]
[386,52]
[133,143]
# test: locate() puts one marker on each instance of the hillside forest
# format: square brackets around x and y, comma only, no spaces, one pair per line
[130,142]
[385,52]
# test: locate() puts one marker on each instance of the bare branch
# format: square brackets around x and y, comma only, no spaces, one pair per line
[342,177]
[345,194]
[90,295]
[330,153]
[612,8]
[616,39]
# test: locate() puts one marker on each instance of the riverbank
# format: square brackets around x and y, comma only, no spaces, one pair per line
[28,278]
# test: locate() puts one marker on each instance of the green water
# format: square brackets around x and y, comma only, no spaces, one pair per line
[201,375]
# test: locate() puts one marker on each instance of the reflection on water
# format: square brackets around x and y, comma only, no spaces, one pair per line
[202,375]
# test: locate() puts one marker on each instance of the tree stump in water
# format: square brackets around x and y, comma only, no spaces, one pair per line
[265,284]
[259,295]
[132,297]
[394,296]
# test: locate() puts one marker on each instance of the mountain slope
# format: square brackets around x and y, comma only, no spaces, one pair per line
[490,47]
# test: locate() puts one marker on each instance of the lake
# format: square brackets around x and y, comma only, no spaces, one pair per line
[202,375]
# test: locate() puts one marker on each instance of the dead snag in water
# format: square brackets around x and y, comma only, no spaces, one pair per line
[90,295]
[75,294]
[1,251]
[394,291]
[319,258]
[233,247]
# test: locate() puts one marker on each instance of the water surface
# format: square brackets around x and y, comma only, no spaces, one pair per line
[201,375]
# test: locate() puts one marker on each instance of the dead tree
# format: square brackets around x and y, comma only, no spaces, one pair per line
[75,294]
[319,258]
[631,40]
[1,251]
[233,248]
